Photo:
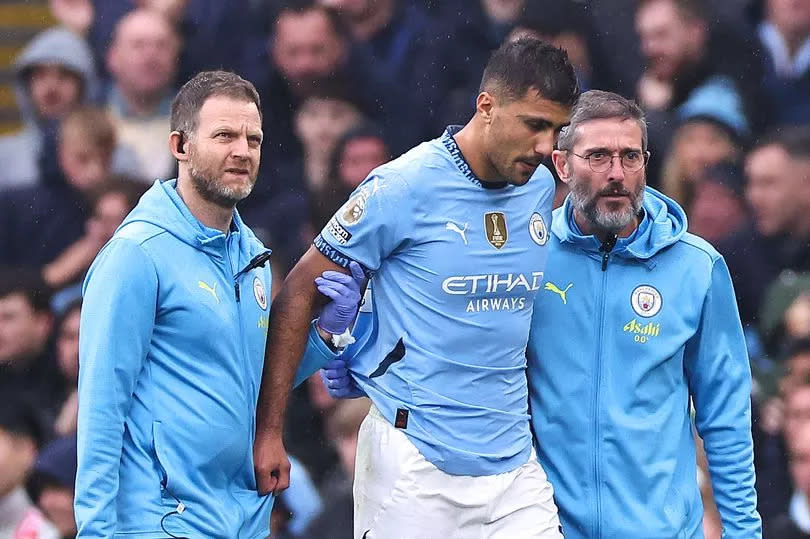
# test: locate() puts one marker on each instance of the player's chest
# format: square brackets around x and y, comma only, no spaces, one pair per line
[464,250]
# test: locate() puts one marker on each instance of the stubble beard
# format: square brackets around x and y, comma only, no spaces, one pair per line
[212,190]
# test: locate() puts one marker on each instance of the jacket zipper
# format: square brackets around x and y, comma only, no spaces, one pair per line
[605,249]
[244,348]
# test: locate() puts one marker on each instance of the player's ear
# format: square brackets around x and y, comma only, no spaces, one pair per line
[561,164]
[483,106]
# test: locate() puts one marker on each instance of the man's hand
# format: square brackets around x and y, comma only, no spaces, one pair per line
[340,385]
[270,464]
[344,291]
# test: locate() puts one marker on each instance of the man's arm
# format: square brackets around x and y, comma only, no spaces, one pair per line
[290,316]
[335,318]
[117,319]
[369,226]
[719,379]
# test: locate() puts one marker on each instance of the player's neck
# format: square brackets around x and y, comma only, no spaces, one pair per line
[469,142]
[208,213]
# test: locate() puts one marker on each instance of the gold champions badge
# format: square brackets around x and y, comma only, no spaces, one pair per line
[495,226]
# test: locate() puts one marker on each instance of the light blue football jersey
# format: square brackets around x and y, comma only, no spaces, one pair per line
[455,265]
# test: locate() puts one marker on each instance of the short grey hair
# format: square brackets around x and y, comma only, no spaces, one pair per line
[599,105]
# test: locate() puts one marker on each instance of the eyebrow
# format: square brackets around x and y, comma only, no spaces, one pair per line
[221,128]
[536,119]
[609,150]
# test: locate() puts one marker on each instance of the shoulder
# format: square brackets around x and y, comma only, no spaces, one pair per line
[428,159]
[698,249]
[138,233]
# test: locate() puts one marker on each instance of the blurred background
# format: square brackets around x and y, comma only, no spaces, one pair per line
[85,93]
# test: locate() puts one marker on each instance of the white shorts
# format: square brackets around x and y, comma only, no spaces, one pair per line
[398,494]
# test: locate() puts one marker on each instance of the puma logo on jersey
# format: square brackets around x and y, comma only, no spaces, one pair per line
[210,290]
[551,287]
[453,227]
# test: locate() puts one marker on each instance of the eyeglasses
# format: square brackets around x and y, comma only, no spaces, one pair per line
[631,160]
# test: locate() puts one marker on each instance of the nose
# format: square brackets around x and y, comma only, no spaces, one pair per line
[544,143]
[240,148]
[616,170]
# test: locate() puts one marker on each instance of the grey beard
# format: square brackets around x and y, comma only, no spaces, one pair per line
[612,222]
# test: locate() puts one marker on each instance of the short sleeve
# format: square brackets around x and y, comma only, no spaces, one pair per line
[371,225]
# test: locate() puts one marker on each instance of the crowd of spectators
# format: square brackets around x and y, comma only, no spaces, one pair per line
[345,86]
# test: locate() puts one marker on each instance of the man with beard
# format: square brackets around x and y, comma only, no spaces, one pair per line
[172,338]
[636,318]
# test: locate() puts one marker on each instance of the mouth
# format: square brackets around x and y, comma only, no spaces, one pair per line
[615,196]
[237,171]
[529,165]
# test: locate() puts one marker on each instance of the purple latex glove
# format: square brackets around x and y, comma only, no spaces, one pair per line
[335,376]
[344,290]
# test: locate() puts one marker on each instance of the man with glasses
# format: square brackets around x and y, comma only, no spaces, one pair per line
[648,324]
[636,318]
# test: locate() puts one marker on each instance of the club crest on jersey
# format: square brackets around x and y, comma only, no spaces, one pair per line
[537,229]
[646,301]
[355,208]
[496,230]
[259,293]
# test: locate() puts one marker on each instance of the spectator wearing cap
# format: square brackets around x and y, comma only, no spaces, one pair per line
[53,74]
[21,436]
[52,481]
[711,128]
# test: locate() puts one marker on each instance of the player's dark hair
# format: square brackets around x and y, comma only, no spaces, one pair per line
[528,63]
[191,97]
